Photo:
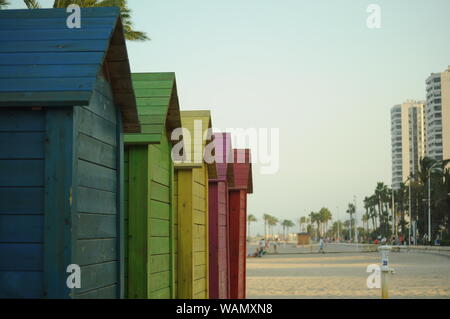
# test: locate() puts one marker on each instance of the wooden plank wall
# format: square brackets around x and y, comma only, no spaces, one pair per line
[160,252]
[22,134]
[238,246]
[200,232]
[175,225]
[193,262]
[58,233]
[38,45]
[96,207]
[138,174]
[218,240]
[150,245]
[213,228]
[126,204]
[223,241]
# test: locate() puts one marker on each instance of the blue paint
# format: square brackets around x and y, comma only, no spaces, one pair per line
[37,40]
[61,172]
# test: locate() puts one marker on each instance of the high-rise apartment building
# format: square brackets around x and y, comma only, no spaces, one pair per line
[438,115]
[408,139]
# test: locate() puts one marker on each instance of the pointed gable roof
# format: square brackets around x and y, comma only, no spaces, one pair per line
[44,63]
[224,157]
[158,106]
[196,124]
[242,166]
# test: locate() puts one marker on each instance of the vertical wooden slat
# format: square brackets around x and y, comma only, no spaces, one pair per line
[206,230]
[120,206]
[171,233]
[185,235]
[137,221]
[58,201]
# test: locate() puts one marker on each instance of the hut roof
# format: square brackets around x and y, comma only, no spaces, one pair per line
[196,124]
[242,165]
[157,104]
[224,157]
[45,63]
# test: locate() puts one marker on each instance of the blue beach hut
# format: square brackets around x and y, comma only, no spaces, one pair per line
[65,99]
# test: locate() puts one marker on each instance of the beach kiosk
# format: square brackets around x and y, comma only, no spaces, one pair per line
[65,99]
[219,256]
[243,185]
[149,268]
[191,178]
[303,239]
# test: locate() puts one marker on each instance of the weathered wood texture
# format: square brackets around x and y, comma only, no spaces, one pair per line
[150,241]
[192,234]
[192,254]
[238,244]
[44,63]
[22,186]
[150,252]
[196,136]
[63,93]
[65,160]
[242,168]
[96,208]
[219,240]
[243,185]
[158,107]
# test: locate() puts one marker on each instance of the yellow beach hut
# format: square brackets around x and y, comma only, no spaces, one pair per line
[191,198]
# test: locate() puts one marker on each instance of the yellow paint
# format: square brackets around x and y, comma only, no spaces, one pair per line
[192,210]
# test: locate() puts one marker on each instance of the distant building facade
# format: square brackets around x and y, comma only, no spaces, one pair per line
[408,139]
[438,115]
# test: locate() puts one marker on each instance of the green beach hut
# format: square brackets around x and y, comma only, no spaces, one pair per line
[149,214]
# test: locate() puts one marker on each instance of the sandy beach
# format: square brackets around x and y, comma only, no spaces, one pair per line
[341,273]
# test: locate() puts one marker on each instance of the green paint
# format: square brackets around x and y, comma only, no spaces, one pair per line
[148,189]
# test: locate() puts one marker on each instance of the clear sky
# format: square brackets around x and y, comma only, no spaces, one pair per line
[310,68]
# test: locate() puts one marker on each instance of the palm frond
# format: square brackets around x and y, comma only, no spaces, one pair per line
[32,4]
[125,13]
[3,3]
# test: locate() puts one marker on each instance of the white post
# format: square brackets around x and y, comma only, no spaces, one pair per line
[385,271]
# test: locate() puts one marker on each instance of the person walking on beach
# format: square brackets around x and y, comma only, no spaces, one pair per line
[321,246]
[262,243]
[275,246]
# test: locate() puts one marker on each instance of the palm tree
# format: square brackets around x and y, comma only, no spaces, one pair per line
[289,225]
[379,195]
[266,218]
[250,219]
[373,211]
[273,221]
[421,193]
[302,221]
[315,218]
[439,197]
[351,210]
[402,201]
[336,228]
[325,217]
[286,225]
[130,33]
[3,3]
[366,202]
[365,220]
